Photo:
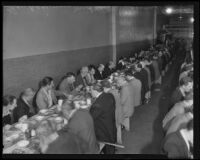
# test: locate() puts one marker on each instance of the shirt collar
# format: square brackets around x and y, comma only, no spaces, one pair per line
[183,93]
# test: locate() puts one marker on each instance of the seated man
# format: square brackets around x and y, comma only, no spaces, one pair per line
[103,114]
[180,143]
[67,84]
[81,77]
[52,142]
[81,124]
[185,73]
[180,121]
[121,64]
[90,76]
[185,85]
[178,108]
[99,74]
[9,104]
[46,96]
[109,69]
[24,105]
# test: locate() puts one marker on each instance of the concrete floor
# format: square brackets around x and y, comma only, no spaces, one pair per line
[146,132]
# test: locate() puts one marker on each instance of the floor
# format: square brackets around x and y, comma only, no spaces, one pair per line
[146,131]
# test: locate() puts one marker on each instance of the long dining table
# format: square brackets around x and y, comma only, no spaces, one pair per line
[21,137]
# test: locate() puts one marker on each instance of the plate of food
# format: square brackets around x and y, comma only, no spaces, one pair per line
[23,143]
[39,118]
[58,119]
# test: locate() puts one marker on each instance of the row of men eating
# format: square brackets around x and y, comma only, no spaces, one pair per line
[111,110]
[178,122]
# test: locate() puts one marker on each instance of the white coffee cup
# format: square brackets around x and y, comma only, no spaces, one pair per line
[60,102]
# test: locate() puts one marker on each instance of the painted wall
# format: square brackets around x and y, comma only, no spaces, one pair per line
[32,31]
[42,42]
[134,29]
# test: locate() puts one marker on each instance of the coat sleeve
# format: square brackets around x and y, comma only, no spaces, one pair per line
[21,112]
[41,102]
[172,150]
[95,111]
[123,96]
[53,94]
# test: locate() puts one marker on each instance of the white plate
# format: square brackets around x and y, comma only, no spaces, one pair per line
[39,118]
[23,143]
[43,110]
[58,119]
[84,106]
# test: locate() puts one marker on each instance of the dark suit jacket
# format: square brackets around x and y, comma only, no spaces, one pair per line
[99,76]
[107,72]
[120,66]
[152,72]
[21,110]
[7,120]
[175,146]
[66,143]
[103,113]
[176,97]
[81,124]
[80,81]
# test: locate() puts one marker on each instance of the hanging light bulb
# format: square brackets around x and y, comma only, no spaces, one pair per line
[191,19]
[169,10]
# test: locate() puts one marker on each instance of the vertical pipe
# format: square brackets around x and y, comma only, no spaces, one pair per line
[114,40]
[155,25]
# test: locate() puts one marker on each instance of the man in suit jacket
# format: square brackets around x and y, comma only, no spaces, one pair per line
[178,108]
[127,100]
[178,144]
[81,78]
[179,122]
[24,105]
[99,74]
[118,108]
[58,142]
[46,97]
[137,85]
[67,84]
[109,69]
[81,124]
[103,114]
[185,85]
